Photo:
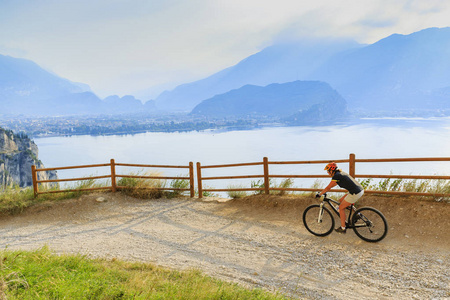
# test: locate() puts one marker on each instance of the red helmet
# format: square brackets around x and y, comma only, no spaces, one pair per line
[331,167]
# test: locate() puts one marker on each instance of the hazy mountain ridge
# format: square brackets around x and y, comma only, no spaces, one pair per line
[279,63]
[279,100]
[16,73]
[397,72]
[28,89]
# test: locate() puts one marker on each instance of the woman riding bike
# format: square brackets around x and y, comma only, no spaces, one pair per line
[345,181]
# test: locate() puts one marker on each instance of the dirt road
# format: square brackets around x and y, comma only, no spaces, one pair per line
[257,242]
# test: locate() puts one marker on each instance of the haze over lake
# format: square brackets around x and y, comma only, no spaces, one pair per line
[387,138]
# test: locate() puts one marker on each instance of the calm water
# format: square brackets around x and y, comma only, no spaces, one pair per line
[369,139]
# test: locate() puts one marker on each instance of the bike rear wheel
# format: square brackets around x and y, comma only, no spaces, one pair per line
[370,224]
[320,224]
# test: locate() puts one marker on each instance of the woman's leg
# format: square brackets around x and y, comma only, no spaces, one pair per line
[344,204]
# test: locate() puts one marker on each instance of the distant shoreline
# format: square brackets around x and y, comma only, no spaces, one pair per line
[125,125]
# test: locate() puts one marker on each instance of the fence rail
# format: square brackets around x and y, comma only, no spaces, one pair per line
[352,162]
[265,175]
[113,176]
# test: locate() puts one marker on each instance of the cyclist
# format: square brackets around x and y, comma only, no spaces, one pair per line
[355,190]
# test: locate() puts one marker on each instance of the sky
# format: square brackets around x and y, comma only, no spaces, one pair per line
[141,47]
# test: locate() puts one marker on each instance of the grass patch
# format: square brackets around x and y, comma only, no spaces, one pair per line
[432,187]
[179,184]
[142,188]
[286,183]
[42,275]
[236,194]
[150,188]
[14,200]
[207,193]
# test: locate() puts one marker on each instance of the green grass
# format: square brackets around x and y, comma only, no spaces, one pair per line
[41,274]
[148,188]
[207,193]
[285,183]
[433,187]
[15,200]
[236,194]
[141,187]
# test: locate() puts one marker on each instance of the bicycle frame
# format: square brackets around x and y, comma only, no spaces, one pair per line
[351,208]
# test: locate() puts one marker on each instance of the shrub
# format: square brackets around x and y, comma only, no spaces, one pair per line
[15,200]
[142,187]
[207,193]
[178,184]
[236,194]
[286,183]
[259,184]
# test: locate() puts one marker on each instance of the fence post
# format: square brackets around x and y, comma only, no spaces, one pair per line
[113,176]
[266,175]
[34,176]
[352,167]
[199,180]
[191,178]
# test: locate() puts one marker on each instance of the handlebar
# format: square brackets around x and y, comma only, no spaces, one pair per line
[324,195]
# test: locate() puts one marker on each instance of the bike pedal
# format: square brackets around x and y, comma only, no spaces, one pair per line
[340,230]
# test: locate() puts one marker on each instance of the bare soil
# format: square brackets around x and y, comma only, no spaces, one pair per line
[259,241]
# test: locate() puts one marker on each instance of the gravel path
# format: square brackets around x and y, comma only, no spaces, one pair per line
[275,253]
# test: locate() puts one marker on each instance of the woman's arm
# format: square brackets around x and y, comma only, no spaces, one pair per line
[331,185]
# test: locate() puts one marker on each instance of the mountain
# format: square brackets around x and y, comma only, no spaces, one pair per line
[284,62]
[126,104]
[21,78]
[396,73]
[17,154]
[28,89]
[295,99]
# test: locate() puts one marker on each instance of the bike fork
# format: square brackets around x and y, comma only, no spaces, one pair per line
[319,219]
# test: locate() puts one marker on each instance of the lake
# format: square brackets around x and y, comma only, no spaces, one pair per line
[370,138]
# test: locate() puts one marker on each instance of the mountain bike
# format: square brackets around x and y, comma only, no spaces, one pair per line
[368,223]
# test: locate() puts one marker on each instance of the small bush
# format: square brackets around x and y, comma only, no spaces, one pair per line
[142,187]
[236,194]
[14,200]
[178,184]
[260,184]
[146,188]
[366,183]
[207,193]
[285,184]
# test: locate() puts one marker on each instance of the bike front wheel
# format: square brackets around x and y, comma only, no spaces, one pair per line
[319,221]
[370,224]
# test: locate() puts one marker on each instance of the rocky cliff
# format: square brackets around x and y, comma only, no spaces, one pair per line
[17,154]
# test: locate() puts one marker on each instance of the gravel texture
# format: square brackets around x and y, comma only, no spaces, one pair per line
[256,242]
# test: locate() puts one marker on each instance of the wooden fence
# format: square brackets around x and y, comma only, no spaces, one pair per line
[265,175]
[352,161]
[112,176]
